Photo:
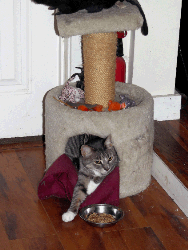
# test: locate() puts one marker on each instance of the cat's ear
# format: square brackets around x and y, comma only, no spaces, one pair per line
[86,151]
[108,142]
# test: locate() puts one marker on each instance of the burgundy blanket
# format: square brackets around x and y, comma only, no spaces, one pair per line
[61,177]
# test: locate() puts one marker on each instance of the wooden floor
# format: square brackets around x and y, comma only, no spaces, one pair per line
[152,220]
[171,144]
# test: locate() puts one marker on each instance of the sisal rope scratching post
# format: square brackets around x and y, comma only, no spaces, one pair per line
[99,57]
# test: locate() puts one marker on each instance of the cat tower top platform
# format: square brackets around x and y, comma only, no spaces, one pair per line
[120,17]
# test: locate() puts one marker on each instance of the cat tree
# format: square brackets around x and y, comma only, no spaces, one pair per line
[131,129]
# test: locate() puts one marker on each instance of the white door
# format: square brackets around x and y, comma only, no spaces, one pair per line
[33,60]
[29,66]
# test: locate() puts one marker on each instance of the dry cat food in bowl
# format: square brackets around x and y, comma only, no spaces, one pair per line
[101,215]
[100,218]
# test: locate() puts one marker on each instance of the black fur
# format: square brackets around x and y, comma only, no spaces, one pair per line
[72,6]
[144,28]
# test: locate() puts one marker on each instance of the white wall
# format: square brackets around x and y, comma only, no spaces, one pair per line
[155,55]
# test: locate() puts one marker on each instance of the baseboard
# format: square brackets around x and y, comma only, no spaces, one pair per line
[22,139]
[167,107]
[170,183]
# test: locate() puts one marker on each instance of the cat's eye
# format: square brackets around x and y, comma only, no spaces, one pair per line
[98,162]
[110,158]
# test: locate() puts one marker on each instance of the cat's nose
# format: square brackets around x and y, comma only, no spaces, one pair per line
[106,167]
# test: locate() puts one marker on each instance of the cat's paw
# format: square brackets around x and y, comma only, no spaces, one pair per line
[68,216]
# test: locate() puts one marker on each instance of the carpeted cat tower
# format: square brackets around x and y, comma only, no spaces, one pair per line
[131,129]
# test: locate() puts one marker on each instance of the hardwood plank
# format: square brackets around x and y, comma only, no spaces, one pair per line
[17,244]
[161,196]
[114,240]
[55,208]
[33,162]
[134,239]
[76,234]
[141,238]
[132,217]
[79,235]
[184,117]
[171,152]
[73,234]
[4,241]
[21,212]
[178,132]
[169,227]
[40,243]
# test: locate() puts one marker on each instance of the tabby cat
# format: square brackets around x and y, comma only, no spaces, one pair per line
[72,6]
[94,158]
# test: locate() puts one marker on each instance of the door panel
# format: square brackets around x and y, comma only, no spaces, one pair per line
[29,66]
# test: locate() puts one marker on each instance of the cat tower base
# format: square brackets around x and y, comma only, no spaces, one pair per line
[132,133]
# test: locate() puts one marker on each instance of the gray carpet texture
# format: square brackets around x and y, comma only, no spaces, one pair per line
[113,19]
